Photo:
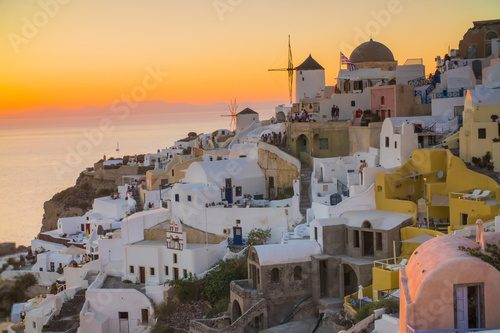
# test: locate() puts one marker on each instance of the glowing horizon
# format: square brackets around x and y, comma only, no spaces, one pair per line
[73,53]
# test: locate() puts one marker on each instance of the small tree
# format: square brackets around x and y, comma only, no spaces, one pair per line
[258,236]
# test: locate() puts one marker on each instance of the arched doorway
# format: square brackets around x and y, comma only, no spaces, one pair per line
[302,146]
[235,311]
[280,117]
[350,280]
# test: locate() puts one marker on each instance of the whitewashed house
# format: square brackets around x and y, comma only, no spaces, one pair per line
[51,261]
[340,184]
[401,135]
[160,159]
[154,262]
[115,307]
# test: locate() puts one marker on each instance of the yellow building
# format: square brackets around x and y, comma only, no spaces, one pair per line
[174,172]
[480,133]
[438,190]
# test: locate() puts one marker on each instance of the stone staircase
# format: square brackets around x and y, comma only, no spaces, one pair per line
[68,318]
[305,187]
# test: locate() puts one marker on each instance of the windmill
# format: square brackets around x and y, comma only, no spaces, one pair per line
[289,69]
[233,112]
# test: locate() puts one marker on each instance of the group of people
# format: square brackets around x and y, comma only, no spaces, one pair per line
[301,117]
[277,139]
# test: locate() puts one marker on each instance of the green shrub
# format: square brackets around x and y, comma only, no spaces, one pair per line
[188,289]
[258,236]
[219,307]
[391,306]
[216,282]
[25,281]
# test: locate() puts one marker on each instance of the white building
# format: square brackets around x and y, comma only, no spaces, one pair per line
[310,79]
[401,135]
[160,159]
[245,119]
[114,307]
[235,177]
[154,262]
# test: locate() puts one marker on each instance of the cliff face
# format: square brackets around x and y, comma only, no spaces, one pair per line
[76,200]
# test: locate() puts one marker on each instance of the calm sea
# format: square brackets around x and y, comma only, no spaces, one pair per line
[41,158]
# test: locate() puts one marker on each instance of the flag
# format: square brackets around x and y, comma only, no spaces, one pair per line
[345,61]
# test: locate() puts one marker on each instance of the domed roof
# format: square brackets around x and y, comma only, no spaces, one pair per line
[371,51]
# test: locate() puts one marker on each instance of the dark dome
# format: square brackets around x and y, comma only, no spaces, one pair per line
[371,51]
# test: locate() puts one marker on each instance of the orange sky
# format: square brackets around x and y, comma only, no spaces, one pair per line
[77,53]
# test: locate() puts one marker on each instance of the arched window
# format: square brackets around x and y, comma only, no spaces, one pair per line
[297,273]
[491,35]
[366,225]
[275,275]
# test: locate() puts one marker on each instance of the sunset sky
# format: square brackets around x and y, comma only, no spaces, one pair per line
[79,53]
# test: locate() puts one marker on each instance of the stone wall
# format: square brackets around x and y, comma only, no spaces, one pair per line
[363,137]
[336,133]
[283,172]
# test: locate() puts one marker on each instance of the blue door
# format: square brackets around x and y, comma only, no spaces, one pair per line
[229,190]
[237,236]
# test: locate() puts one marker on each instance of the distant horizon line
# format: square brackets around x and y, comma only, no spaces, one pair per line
[94,110]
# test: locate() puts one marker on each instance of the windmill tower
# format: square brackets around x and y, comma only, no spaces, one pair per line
[233,111]
[290,69]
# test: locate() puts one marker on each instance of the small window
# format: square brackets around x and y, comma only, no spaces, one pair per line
[175,258]
[131,269]
[275,275]
[238,191]
[387,142]
[353,103]
[123,315]
[379,188]
[297,273]
[185,273]
[355,236]
[189,198]
[382,100]
[315,233]
[481,133]
[152,271]
[323,144]
[173,172]
[176,198]
[166,270]
[346,236]
[144,316]
[302,78]
[238,221]
[395,145]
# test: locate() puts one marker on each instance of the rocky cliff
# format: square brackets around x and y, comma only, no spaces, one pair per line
[76,200]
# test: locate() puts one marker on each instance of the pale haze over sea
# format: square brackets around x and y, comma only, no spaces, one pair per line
[33,151]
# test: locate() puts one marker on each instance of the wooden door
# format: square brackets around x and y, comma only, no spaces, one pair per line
[142,274]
